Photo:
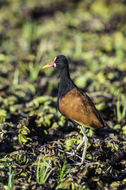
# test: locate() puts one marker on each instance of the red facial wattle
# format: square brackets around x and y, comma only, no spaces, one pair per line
[53,64]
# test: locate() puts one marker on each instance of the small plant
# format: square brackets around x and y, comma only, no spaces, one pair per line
[23,132]
[34,69]
[16,78]
[64,171]
[121,107]
[29,35]
[44,169]
[11,179]
[70,184]
[3,115]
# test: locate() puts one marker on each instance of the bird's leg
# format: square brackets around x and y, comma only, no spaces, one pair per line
[85,139]
[85,142]
[80,145]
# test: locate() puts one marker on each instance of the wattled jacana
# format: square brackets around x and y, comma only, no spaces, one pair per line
[74,103]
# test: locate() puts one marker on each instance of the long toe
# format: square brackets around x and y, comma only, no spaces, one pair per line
[81,163]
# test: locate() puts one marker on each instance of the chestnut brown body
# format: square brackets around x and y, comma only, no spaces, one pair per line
[77,106]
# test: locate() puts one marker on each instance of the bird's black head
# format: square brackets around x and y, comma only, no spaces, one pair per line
[60,62]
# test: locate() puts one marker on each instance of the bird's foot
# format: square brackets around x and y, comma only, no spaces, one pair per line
[85,162]
[71,154]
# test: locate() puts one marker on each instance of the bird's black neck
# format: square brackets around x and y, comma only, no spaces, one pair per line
[66,84]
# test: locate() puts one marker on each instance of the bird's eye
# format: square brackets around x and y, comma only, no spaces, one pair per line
[56,60]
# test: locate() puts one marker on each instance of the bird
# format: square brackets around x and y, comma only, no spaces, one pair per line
[75,104]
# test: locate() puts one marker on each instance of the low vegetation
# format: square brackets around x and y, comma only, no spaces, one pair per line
[34,137]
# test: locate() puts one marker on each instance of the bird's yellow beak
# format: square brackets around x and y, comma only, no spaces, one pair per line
[46,66]
[53,64]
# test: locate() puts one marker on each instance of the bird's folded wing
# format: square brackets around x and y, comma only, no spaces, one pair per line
[77,106]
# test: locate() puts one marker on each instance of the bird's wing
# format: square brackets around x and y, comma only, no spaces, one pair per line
[77,106]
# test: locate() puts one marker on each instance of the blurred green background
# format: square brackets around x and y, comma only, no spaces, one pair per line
[91,33]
